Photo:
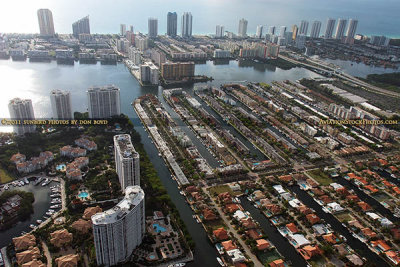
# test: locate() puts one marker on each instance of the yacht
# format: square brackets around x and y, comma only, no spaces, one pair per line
[32,226]
[39,221]
[220,261]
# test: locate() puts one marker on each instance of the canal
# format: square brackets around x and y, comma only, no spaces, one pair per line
[281,243]
[360,247]
[40,207]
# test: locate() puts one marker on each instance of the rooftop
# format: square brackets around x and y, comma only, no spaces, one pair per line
[134,195]
[124,143]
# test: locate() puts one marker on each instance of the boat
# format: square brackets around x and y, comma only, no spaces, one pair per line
[181,192]
[39,221]
[26,181]
[32,226]
[38,180]
[220,261]
[49,213]
[46,182]
[177,264]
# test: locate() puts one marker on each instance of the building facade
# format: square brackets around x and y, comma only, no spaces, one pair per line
[81,26]
[22,109]
[118,231]
[315,29]
[242,32]
[340,28]
[46,24]
[330,26]
[187,20]
[177,70]
[303,27]
[61,105]
[219,31]
[172,24]
[127,161]
[103,102]
[152,27]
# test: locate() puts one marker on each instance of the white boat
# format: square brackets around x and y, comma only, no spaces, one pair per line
[220,261]
[26,181]
[181,192]
[32,226]
[39,221]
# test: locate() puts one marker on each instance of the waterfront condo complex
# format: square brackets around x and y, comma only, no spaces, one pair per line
[119,230]
[22,109]
[103,102]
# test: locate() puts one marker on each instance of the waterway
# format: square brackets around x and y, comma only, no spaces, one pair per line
[36,80]
[360,69]
[360,247]
[40,207]
[280,242]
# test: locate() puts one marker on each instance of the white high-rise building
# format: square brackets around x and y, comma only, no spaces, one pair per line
[351,30]
[152,27]
[127,161]
[122,29]
[341,26]
[242,28]
[118,231]
[282,31]
[103,102]
[271,30]
[330,26]
[315,29]
[149,73]
[46,24]
[303,27]
[259,31]
[22,109]
[61,104]
[187,20]
[219,31]
[135,55]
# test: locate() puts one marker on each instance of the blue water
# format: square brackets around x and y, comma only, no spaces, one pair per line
[60,167]
[158,228]
[83,195]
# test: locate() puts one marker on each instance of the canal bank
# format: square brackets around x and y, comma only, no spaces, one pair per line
[281,243]
[360,247]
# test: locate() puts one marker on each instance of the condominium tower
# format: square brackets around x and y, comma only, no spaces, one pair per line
[22,109]
[351,30]
[127,161]
[61,104]
[242,32]
[219,31]
[303,27]
[103,102]
[315,29]
[152,27]
[122,29]
[81,26]
[330,26]
[259,31]
[172,24]
[187,20]
[46,24]
[341,26]
[118,231]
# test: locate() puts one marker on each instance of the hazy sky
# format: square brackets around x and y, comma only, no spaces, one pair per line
[375,16]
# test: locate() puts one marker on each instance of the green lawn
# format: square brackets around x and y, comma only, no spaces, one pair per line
[320,177]
[216,224]
[344,217]
[5,177]
[268,256]
[220,189]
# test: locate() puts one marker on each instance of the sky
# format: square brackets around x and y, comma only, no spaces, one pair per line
[375,16]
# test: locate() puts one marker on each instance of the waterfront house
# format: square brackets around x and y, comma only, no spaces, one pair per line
[209,215]
[34,263]
[310,251]
[82,226]
[70,260]
[368,233]
[61,238]
[27,255]
[228,245]
[231,208]
[380,245]
[291,228]
[263,244]
[393,256]
[277,263]
[331,238]
[89,212]
[364,206]
[253,234]
[355,260]
[24,242]
[220,234]
[312,218]
[235,255]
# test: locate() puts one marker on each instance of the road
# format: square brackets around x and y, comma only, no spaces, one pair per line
[344,76]
[256,262]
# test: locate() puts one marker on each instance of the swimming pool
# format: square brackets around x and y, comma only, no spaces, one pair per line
[158,228]
[61,167]
[152,257]
[83,195]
